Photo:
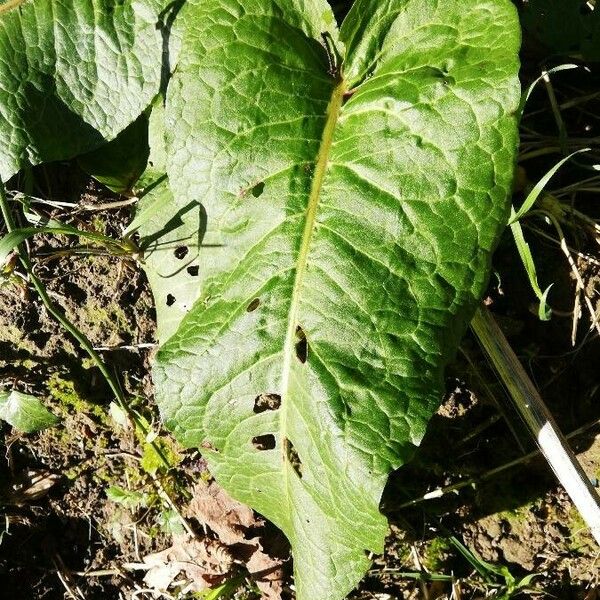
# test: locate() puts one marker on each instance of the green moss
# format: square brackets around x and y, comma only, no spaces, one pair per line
[65,392]
[98,224]
[106,318]
[152,461]
[10,333]
[436,554]
[13,335]
[73,473]
[88,363]
[519,518]
[580,539]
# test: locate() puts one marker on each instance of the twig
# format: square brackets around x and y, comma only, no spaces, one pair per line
[540,422]
[126,347]
[473,481]
[107,205]
[595,323]
[64,576]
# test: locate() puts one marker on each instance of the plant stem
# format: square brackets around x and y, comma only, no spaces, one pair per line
[54,311]
[538,419]
[72,329]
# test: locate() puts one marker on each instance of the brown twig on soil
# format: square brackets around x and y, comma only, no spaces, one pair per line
[106,205]
[64,576]
[595,322]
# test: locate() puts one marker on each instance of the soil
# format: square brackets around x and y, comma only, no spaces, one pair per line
[68,533]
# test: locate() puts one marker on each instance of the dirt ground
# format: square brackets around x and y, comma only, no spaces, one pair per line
[102,508]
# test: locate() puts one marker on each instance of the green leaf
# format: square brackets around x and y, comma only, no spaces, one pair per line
[75,73]
[170,236]
[17,236]
[171,258]
[349,223]
[544,311]
[25,412]
[119,164]
[170,522]
[128,498]
[223,590]
[538,188]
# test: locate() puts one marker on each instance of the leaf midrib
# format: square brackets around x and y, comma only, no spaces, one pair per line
[332,115]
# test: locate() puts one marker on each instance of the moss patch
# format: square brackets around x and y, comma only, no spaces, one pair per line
[436,554]
[66,393]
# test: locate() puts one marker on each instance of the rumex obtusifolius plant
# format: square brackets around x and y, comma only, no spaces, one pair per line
[320,209]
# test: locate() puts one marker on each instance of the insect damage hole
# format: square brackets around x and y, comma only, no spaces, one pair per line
[170,299]
[193,270]
[264,442]
[253,305]
[258,189]
[266,402]
[292,457]
[181,252]
[301,345]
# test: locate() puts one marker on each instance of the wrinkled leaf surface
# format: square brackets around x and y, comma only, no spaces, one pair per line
[74,73]
[350,218]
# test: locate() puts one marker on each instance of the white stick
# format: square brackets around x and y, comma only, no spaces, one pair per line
[537,417]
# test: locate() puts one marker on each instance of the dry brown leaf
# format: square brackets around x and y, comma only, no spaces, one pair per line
[228,518]
[204,563]
[267,572]
[234,523]
[32,485]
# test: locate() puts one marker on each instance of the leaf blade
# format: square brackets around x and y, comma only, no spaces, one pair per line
[25,412]
[335,280]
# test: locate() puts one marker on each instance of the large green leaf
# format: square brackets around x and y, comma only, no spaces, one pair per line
[350,218]
[74,73]
[119,164]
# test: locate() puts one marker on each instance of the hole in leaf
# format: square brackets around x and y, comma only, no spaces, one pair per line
[267,402]
[170,299]
[292,456]
[181,252]
[301,345]
[253,305]
[258,189]
[193,270]
[264,442]
[208,446]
